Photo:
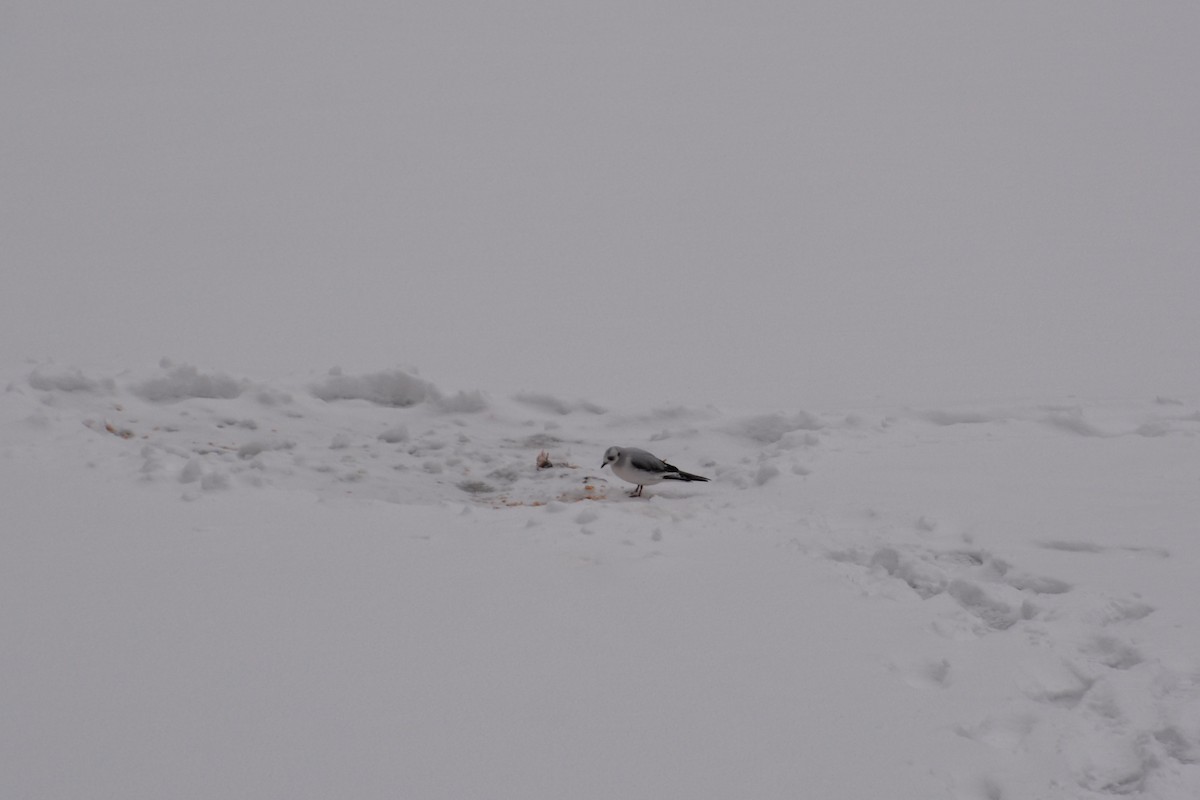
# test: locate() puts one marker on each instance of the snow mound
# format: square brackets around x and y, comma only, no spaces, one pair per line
[945,417]
[1074,421]
[185,381]
[548,402]
[463,403]
[770,428]
[394,435]
[395,389]
[68,381]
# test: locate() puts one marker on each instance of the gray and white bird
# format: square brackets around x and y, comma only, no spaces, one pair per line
[642,468]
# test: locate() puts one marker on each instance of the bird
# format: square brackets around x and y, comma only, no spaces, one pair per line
[643,469]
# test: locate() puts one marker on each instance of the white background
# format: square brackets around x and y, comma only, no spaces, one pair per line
[760,203]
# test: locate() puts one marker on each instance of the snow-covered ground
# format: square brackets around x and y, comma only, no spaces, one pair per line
[360,585]
[914,284]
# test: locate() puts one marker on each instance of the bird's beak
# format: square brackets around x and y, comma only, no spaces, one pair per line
[605,464]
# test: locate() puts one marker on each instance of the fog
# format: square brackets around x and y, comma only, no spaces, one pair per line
[760,203]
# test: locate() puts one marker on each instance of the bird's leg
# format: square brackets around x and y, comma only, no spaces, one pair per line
[636,492]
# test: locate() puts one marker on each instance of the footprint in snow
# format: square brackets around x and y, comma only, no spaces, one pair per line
[1092,548]
[922,673]
[994,595]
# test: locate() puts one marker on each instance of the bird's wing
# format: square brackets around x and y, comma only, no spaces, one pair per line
[648,462]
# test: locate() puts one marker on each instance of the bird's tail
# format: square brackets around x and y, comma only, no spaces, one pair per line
[680,475]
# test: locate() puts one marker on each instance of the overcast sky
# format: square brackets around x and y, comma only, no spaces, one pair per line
[764,203]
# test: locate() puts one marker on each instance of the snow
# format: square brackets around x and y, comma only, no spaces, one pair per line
[216,595]
[395,388]
[185,381]
[914,285]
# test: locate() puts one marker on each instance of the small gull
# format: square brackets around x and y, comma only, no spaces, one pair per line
[642,468]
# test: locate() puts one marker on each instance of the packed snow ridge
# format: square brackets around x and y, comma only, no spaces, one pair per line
[1021,578]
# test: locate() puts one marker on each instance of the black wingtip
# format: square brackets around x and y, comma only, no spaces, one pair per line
[685,476]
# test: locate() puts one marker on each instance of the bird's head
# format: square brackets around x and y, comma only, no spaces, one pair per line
[610,455]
